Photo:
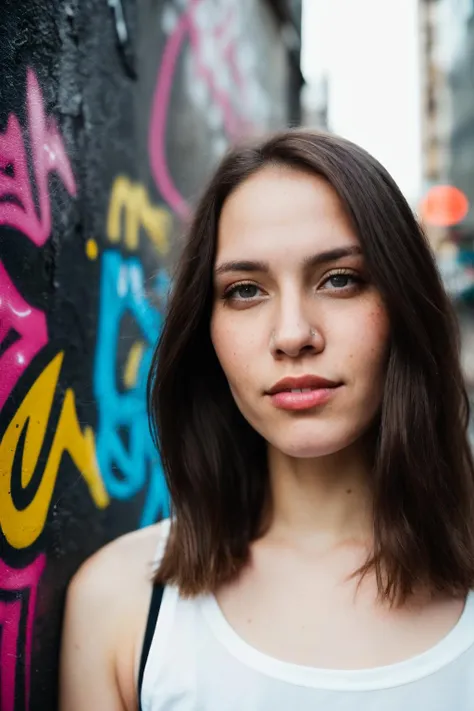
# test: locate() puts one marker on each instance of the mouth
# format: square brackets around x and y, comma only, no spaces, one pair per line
[302,393]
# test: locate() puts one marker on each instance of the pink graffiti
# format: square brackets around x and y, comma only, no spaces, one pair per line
[23,586]
[234,123]
[17,206]
[29,323]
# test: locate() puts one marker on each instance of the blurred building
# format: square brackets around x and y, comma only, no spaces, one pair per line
[315,103]
[290,13]
[447,104]
[433,97]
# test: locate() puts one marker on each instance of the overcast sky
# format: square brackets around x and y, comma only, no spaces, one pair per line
[369,49]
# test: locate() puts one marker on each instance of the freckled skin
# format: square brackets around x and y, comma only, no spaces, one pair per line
[282,217]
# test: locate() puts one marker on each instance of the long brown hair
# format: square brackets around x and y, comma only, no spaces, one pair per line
[215,463]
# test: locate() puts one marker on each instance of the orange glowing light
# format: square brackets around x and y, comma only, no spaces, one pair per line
[443,206]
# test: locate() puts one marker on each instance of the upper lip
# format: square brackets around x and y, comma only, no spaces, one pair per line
[299,383]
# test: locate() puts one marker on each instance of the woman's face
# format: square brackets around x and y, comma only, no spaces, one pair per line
[299,330]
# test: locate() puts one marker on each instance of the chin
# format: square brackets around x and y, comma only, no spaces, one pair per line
[308,450]
[304,445]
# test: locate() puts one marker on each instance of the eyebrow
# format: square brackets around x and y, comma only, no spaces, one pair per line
[315,260]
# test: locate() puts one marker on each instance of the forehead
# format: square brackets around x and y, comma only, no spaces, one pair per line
[283,208]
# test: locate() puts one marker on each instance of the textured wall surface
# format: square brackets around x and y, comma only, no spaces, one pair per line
[112,114]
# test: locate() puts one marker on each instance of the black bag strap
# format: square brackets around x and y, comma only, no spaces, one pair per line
[153,612]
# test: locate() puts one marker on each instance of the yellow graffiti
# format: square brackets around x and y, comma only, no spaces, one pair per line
[134,359]
[133,199]
[92,249]
[22,527]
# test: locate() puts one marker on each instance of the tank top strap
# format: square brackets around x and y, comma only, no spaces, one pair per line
[153,612]
[154,608]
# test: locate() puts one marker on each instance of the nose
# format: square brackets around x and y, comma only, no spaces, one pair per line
[295,333]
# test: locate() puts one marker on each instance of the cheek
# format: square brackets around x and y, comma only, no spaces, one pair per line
[233,346]
[366,335]
[378,332]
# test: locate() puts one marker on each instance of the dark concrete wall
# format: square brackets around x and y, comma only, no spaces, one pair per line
[112,114]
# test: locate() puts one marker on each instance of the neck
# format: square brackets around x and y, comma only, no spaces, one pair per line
[326,498]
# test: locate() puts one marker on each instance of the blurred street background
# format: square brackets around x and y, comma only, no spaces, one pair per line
[113,113]
[398,78]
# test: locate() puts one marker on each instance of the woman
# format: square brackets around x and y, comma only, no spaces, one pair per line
[312,425]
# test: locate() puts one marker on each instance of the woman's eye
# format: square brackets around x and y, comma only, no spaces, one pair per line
[340,281]
[242,292]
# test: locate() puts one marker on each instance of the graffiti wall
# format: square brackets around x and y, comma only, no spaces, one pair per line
[112,114]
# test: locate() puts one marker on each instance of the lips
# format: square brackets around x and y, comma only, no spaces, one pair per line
[302,393]
[302,383]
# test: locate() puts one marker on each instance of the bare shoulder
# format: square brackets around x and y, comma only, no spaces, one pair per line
[122,564]
[115,582]
[106,609]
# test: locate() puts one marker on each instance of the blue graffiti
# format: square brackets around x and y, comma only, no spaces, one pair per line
[126,454]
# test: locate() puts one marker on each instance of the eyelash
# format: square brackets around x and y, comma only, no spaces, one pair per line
[231,291]
[344,272]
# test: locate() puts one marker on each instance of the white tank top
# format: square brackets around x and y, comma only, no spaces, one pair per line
[197,662]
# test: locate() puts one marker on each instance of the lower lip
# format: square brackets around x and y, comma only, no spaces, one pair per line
[302,401]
